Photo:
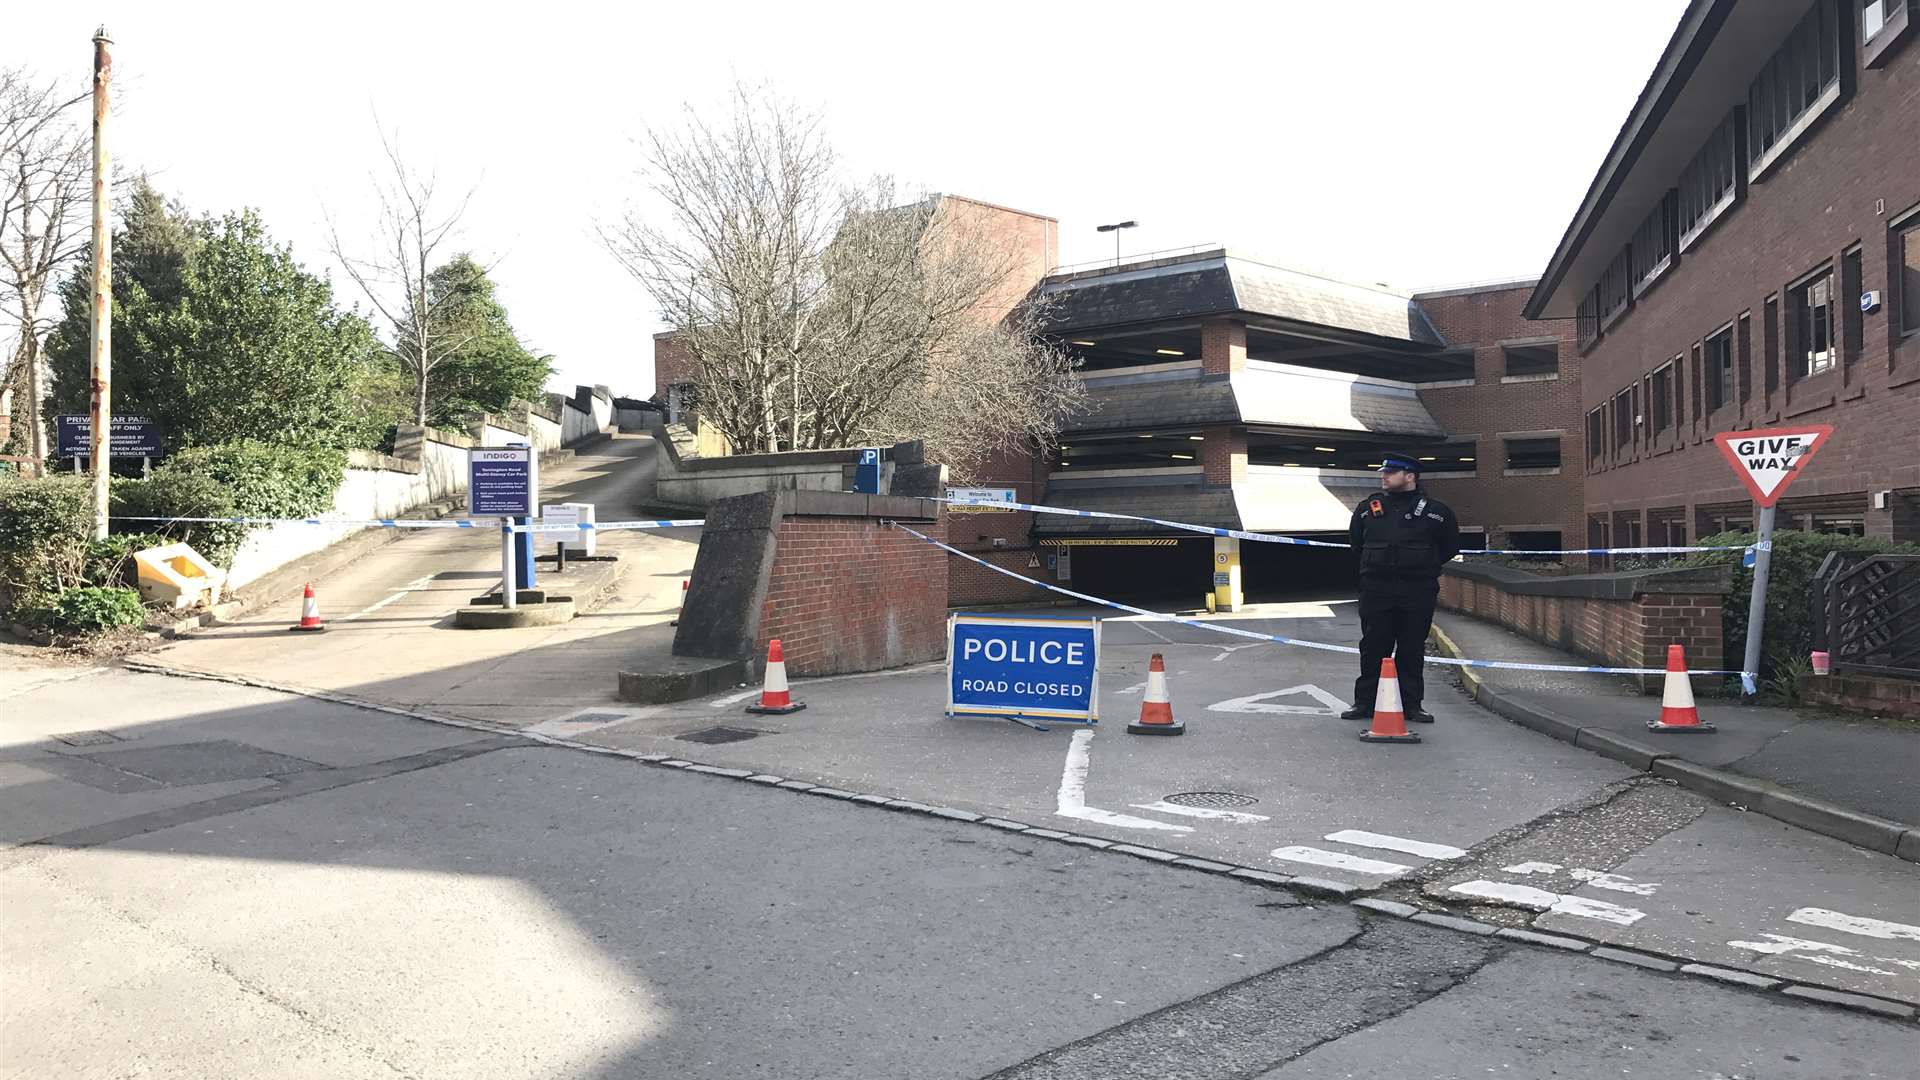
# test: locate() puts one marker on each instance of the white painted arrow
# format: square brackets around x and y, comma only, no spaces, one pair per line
[1258,703]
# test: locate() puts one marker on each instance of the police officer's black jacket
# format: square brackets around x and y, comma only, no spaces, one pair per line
[1404,537]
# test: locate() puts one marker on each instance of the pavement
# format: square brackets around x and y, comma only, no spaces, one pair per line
[1852,763]
[203,879]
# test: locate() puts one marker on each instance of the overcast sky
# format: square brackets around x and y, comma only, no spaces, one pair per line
[1401,141]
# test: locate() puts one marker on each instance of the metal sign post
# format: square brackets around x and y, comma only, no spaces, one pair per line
[1766,461]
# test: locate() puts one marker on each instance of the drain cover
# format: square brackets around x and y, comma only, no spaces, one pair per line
[87,738]
[723,734]
[1217,800]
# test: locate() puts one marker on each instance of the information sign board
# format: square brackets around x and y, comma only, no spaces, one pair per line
[866,471]
[133,437]
[1040,666]
[959,495]
[500,481]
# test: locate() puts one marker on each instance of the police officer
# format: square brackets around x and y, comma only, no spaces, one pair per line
[1403,537]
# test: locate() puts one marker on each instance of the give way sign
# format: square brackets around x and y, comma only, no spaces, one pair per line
[1768,460]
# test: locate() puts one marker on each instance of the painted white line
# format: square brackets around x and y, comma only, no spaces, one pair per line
[1208,812]
[1613,882]
[1071,800]
[1526,896]
[1855,924]
[1154,632]
[1819,952]
[1224,653]
[734,699]
[1257,703]
[1134,689]
[1339,862]
[1534,868]
[1395,843]
[399,594]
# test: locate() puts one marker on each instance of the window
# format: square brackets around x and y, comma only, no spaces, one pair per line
[1719,373]
[1534,540]
[1667,526]
[1837,525]
[1652,245]
[1662,405]
[1853,340]
[1699,383]
[1810,314]
[1543,453]
[1473,539]
[1882,24]
[1785,92]
[1744,343]
[1906,275]
[1874,15]
[1589,320]
[1532,361]
[1706,185]
[1623,417]
[1613,289]
[1596,437]
[1770,342]
[1722,517]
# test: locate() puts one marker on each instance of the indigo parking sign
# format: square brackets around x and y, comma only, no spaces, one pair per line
[1041,666]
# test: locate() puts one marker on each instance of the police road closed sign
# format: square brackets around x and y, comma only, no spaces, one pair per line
[1041,666]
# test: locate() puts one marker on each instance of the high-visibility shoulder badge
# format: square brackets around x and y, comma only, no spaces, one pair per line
[1374,507]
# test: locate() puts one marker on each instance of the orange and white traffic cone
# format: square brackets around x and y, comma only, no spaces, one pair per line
[1389,720]
[684,582]
[774,697]
[309,613]
[1156,711]
[1677,711]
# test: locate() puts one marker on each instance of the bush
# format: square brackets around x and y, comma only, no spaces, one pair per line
[244,479]
[89,610]
[45,527]
[1788,636]
[110,561]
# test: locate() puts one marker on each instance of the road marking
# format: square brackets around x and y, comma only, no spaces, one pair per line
[1155,633]
[1072,798]
[1134,689]
[1599,879]
[1856,924]
[1224,653]
[1819,952]
[1526,896]
[411,586]
[51,680]
[1396,843]
[734,699]
[1340,862]
[1257,703]
[1208,812]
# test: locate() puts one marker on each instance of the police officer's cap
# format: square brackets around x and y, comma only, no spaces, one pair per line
[1397,460]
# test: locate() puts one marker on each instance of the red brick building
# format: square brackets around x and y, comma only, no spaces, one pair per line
[1749,256]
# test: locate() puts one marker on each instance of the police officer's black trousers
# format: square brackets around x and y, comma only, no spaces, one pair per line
[1394,617]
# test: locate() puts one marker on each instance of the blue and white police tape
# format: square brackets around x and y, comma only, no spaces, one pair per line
[1270,538]
[449,523]
[1281,639]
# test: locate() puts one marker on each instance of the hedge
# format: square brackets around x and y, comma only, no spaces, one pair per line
[1788,636]
[244,479]
[45,527]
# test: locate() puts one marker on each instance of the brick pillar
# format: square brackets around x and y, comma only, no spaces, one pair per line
[1224,456]
[1223,346]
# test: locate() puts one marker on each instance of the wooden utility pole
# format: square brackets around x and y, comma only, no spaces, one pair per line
[101,455]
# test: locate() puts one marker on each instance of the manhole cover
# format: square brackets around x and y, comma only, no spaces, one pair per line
[1217,800]
[715,735]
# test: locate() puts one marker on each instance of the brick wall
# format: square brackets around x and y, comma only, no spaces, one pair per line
[850,594]
[1492,408]
[1855,171]
[1223,346]
[672,363]
[1628,632]
[1879,695]
[1223,456]
[972,585]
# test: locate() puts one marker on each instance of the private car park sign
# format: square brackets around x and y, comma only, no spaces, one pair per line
[1024,667]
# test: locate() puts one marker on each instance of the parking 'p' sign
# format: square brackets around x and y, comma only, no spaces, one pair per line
[1769,460]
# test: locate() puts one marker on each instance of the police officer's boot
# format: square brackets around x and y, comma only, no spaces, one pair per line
[1418,715]
[1357,713]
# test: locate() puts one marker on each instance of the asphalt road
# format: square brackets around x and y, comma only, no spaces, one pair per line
[210,880]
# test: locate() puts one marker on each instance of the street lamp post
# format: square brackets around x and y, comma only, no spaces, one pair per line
[1115,230]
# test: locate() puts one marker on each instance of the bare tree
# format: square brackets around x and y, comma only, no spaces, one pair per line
[45,187]
[817,314]
[411,230]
